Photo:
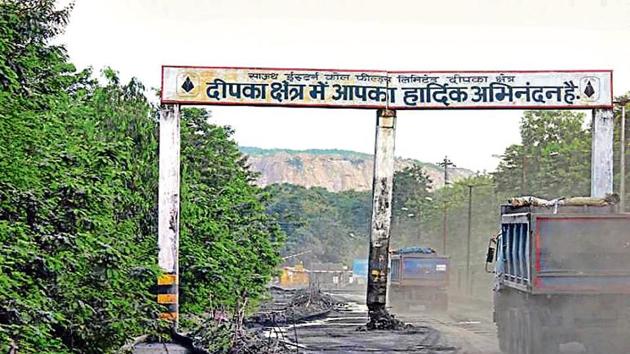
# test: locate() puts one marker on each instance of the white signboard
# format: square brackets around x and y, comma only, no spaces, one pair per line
[387,89]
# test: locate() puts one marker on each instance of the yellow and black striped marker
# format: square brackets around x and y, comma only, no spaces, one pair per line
[167,296]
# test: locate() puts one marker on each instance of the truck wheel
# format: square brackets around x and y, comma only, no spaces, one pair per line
[512,332]
[502,331]
[523,334]
[533,337]
[517,338]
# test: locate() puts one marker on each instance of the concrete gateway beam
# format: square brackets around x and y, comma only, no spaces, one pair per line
[377,89]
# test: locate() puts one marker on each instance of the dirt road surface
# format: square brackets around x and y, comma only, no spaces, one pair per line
[461,330]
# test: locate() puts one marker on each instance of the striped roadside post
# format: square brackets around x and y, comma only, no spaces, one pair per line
[168,214]
[167,295]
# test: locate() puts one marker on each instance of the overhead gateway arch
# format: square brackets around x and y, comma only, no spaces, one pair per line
[386,92]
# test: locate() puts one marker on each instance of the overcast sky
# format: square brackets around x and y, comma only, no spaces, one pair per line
[136,37]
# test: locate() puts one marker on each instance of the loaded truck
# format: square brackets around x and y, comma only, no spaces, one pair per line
[562,277]
[418,280]
[359,271]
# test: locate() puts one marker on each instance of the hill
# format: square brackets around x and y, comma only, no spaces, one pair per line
[335,170]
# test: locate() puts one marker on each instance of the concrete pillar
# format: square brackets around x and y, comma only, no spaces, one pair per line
[602,153]
[622,161]
[382,187]
[168,213]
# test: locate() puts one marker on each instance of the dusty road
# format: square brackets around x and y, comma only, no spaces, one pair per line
[468,327]
[461,330]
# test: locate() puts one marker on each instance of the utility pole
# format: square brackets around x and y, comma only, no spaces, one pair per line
[468,282]
[446,163]
[622,157]
[469,234]
[524,175]
[382,188]
[444,227]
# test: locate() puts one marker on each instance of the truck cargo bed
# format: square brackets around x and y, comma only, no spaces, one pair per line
[542,252]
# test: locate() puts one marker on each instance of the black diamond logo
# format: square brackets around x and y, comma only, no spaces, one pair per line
[188,85]
[589,91]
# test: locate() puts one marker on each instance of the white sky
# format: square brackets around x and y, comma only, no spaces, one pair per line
[136,37]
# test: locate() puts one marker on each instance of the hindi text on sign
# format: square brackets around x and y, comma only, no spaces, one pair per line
[394,90]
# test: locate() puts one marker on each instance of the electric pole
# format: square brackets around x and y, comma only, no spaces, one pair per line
[622,165]
[468,282]
[524,176]
[446,163]
[444,227]
[622,156]
[468,237]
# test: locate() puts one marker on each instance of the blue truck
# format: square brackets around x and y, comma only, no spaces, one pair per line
[359,271]
[562,275]
[418,279]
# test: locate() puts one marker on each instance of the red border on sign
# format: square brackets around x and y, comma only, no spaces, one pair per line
[321,105]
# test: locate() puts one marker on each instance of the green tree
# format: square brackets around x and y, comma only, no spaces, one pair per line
[334,227]
[410,203]
[71,257]
[76,247]
[229,244]
[78,201]
[553,159]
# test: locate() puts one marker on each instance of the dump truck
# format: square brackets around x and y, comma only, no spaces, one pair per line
[418,280]
[562,276]
[359,271]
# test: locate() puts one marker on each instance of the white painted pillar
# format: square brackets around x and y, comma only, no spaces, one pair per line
[382,190]
[168,212]
[622,160]
[602,153]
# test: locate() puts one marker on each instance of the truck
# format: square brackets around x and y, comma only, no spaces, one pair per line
[562,275]
[359,271]
[418,280]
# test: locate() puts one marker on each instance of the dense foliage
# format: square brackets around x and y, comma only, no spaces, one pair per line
[229,244]
[412,199]
[331,227]
[553,159]
[78,202]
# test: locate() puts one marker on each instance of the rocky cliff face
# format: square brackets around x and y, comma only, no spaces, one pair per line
[335,170]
